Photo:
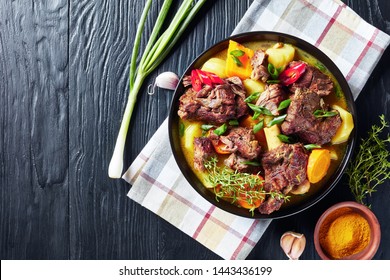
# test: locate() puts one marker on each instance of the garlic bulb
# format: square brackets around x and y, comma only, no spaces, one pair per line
[166,80]
[293,244]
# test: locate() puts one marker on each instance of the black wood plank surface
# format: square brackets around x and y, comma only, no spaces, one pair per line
[34,146]
[63,88]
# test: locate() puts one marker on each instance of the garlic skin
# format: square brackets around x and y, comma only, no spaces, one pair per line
[293,244]
[167,80]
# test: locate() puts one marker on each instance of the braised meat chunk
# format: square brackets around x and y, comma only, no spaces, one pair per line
[302,122]
[212,105]
[238,140]
[238,163]
[203,150]
[258,63]
[314,80]
[284,168]
[271,98]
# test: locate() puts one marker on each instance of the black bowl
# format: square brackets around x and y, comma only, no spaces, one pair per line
[174,137]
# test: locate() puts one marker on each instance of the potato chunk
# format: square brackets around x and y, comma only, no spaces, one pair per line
[215,65]
[192,131]
[280,55]
[252,86]
[346,127]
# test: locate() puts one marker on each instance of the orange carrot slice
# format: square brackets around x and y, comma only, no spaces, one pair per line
[318,165]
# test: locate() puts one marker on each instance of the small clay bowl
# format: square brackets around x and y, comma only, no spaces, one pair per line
[369,251]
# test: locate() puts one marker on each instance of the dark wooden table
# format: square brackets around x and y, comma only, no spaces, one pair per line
[63,87]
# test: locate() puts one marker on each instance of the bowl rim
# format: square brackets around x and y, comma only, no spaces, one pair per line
[375,236]
[250,37]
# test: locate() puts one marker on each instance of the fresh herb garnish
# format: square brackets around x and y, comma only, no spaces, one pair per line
[259,109]
[232,185]
[252,163]
[274,72]
[371,167]
[237,61]
[312,146]
[259,126]
[273,81]
[284,104]
[237,53]
[158,47]
[206,127]
[181,129]
[221,130]
[320,66]
[277,120]
[324,114]
[285,138]
[252,97]
[233,122]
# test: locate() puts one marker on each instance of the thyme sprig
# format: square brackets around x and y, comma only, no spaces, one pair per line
[371,167]
[230,184]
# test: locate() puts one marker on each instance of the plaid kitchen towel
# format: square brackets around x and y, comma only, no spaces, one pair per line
[353,44]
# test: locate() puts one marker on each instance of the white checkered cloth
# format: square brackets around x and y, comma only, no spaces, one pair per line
[353,44]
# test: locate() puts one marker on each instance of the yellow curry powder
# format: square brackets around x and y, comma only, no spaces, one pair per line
[344,233]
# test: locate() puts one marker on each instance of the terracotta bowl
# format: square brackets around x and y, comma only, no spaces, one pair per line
[369,251]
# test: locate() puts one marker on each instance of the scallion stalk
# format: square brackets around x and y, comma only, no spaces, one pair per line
[155,52]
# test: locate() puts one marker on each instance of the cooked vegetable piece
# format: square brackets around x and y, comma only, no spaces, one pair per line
[221,130]
[318,165]
[248,202]
[292,74]
[215,65]
[196,81]
[252,86]
[238,65]
[284,104]
[346,127]
[277,120]
[280,55]
[192,130]
[204,78]
[333,153]
[221,148]
[302,188]
[271,135]
[324,114]
[253,97]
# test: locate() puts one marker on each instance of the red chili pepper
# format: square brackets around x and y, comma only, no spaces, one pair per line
[214,78]
[204,78]
[195,81]
[292,74]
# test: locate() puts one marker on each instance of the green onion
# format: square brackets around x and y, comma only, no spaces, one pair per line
[253,163]
[221,130]
[181,129]
[236,61]
[312,146]
[284,104]
[284,138]
[320,66]
[155,52]
[257,127]
[273,81]
[206,127]
[252,97]
[274,72]
[259,109]
[237,53]
[277,120]
[256,115]
[233,122]
[324,114]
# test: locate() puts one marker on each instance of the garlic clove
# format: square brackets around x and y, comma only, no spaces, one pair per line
[167,80]
[293,244]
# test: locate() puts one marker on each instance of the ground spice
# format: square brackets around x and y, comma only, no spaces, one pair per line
[344,233]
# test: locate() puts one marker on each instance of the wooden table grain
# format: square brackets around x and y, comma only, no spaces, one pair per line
[64,68]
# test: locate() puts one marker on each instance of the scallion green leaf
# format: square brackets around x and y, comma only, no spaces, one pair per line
[277,120]
[284,104]
[236,61]
[181,129]
[221,130]
[312,146]
[206,127]
[259,126]
[252,163]
[260,109]
[284,138]
[233,122]
[237,53]
[254,96]
[324,114]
